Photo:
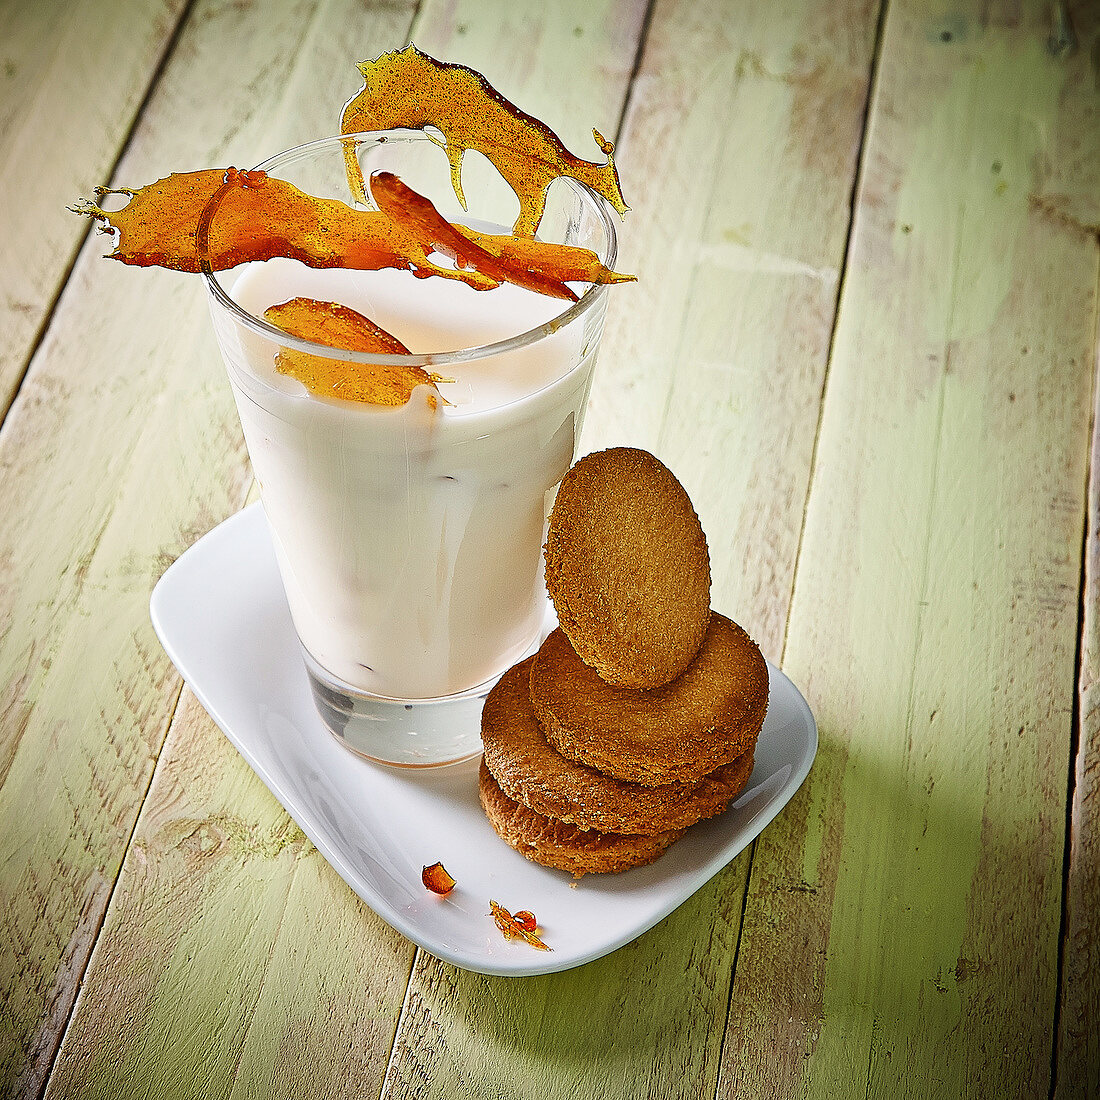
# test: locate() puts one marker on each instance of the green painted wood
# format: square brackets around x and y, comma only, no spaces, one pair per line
[120,450]
[232,952]
[1077,1054]
[743,136]
[902,926]
[72,78]
[649,1019]
[1075,198]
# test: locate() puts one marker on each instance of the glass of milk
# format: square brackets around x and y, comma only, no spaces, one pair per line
[409,539]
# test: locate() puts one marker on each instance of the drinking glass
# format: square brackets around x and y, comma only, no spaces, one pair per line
[409,540]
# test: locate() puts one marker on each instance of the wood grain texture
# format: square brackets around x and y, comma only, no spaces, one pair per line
[648,1020]
[72,78]
[741,142]
[901,930]
[230,944]
[1077,1055]
[1072,196]
[122,448]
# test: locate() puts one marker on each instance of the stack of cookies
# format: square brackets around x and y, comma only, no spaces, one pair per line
[638,716]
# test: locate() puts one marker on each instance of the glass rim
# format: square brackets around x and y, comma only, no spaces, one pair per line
[582,305]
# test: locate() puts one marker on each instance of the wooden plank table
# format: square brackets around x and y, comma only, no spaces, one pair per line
[864,336]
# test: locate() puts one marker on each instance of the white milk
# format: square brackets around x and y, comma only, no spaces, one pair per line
[410,539]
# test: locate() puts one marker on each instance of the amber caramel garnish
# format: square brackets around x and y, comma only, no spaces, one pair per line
[557,262]
[214,219]
[253,216]
[407,89]
[233,217]
[514,928]
[418,215]
[436,879]
[341,327]
[526,920]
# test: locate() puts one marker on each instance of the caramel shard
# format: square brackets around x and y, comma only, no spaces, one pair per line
[417,214]
[514,928]
[406,89]
[233,217]
[558,262]
[526,919]
[437,880]
[341,327]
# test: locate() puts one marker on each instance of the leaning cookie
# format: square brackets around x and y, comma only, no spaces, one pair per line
[563,846]
[531,771]
[627,568]
[678,733]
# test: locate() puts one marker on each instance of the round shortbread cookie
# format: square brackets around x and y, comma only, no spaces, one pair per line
[529,770]
[563,846]
[627,568]
[674,734]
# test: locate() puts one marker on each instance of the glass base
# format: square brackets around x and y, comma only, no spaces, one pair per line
[408,733]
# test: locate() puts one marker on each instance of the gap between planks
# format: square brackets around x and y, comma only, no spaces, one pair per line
[49,1056]
[853,199]
[1079,734]
[58,1039]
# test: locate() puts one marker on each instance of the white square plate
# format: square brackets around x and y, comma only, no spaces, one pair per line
[222,617]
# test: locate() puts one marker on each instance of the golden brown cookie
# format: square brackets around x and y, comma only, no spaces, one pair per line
[627,568]
[529,770]
[563,846]
[674,734]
